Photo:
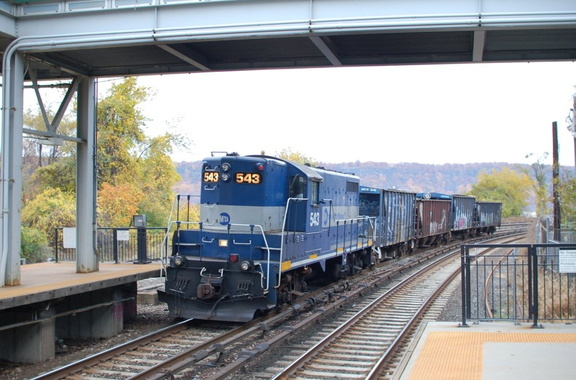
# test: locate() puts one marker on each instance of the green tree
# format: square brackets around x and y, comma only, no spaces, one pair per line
[33,244]
[119,131]
[50,209]
[508,186]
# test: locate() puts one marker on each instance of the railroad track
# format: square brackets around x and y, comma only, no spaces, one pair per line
[363,343]
[213,353]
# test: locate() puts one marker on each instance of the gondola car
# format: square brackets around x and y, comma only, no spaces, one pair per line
[267,226]
[462,213]
[395,213]
[432,221]
[488,216]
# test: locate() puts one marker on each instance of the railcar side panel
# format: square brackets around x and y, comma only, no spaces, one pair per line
[433,221]
[488,216]
[395,213]
[462,213]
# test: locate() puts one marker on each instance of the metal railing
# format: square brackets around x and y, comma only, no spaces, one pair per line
[519,282]
[118,244]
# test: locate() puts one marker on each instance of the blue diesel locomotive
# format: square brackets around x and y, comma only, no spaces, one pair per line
[266,227]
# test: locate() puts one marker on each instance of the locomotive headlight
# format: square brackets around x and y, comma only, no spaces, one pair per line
[179,261]
[225,177]
[225,167]
[245,265]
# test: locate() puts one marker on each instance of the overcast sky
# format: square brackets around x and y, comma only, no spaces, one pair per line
[431,114]
[425,114]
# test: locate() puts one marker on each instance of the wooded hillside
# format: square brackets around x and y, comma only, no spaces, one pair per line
[447,178]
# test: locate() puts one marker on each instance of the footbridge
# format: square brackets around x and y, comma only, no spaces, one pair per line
[78,41]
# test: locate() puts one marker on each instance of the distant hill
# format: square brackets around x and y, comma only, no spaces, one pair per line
[447,178]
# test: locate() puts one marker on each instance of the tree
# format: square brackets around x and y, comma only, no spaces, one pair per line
[50,209]
[135,172]
[288,154]
[539,185]
[46,166]
[132,162]
[567,198]
[508,186]
[119,131]
[33,243]
[117,204]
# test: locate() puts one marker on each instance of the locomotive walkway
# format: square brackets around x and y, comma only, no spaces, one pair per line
[495,351]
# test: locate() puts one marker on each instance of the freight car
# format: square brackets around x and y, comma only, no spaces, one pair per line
[395,214]
[462,213]
[270,226]
[267,226]
[487,217]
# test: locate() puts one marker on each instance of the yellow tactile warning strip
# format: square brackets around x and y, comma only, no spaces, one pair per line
[465,349]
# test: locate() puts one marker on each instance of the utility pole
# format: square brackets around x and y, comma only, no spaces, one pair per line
[555,179]
[573,129]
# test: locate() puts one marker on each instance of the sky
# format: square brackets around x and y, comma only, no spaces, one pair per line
[434,114]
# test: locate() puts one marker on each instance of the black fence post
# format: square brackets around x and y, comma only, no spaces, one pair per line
[56,244]
[115,245]
[532,251]
[464,275]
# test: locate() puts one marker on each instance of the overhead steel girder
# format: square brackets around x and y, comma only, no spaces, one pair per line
[62,17]
[102,30]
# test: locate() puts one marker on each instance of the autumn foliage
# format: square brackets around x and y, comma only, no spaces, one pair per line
[135,174]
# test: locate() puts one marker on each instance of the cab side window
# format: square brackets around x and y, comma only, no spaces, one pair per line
[315,193]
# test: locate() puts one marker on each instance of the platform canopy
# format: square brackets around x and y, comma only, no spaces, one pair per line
[134,37]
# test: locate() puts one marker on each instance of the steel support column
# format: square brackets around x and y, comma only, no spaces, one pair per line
[86,254]
[11,176]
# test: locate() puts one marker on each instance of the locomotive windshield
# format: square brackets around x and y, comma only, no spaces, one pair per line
[297,187]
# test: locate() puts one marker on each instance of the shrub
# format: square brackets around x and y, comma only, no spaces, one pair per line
[34,245]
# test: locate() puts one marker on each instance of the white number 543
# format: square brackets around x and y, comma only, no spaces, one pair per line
[314,219]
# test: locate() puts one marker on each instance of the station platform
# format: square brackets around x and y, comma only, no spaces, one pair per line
[46,281]
[55,303]
[491,351]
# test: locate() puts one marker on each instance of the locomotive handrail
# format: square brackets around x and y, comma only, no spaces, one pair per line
[282,235]
[259,227]
[168,230]
[345,222]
